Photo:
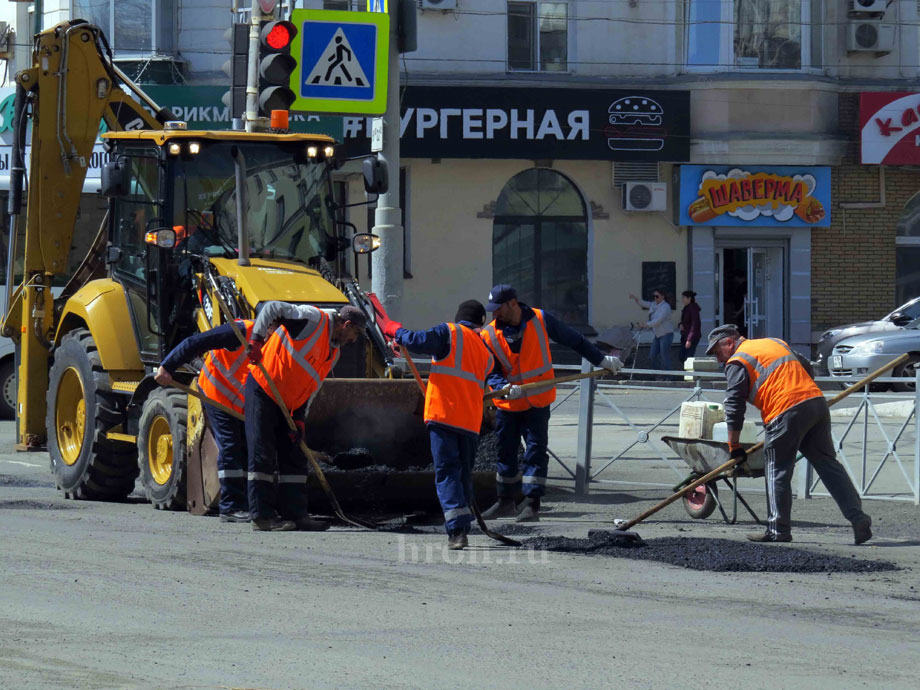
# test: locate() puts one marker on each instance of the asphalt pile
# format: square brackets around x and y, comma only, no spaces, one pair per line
[715,555]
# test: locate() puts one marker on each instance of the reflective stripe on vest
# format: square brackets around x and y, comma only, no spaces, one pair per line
[777,380]
[223,375]
[534,354]
[456,382]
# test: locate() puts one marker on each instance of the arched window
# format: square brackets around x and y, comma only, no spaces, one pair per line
[908,252]
[540,243]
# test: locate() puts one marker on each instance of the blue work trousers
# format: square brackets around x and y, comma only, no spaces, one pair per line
[533,426]
[230,435]
[454,454]
[659,354]
[270,451]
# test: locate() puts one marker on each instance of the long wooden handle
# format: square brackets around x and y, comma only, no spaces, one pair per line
[414,369]
[757,446]
[551,382]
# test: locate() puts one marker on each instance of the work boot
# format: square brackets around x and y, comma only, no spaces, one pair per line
[768,536]
[235,516]
[271,525]
[530,509]
[862,530]
[502,508]
[308,524]
[457,541]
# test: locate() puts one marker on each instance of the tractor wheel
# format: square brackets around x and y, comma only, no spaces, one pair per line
[700,502]
[161,448]
[86,465]
[8,392]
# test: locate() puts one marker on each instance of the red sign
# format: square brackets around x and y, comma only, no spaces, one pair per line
[890,128]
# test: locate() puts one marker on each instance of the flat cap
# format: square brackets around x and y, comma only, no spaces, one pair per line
[727,330]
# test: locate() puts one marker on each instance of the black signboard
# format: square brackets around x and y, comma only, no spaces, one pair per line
[535,123]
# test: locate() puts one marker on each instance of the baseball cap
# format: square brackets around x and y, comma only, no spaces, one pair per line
[498,295]
[727,330]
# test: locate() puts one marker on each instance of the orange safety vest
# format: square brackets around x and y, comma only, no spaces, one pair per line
[224,373]
[298,367]
[778,381]
[455,383]
[532,364]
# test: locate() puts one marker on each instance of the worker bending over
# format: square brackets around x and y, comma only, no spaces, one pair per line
[460,362]
[297,357]
[221,379]
[519,338]
[766,373]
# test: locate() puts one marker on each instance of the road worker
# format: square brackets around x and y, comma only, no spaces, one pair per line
[297,357]
[519,338]
[767,373]
[460,363]
[221,379]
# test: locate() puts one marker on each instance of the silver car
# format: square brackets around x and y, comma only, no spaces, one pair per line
[896,320]
[859,355]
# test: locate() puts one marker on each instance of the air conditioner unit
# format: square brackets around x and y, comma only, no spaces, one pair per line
[866,35]
[645,196]
[442,5]
[868,5]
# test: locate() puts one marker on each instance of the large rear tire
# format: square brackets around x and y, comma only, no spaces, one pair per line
[8,390]
[161,448]
[86,465]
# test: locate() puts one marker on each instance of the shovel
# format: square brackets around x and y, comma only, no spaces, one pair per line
[757,446]
[330,494]
[473,506]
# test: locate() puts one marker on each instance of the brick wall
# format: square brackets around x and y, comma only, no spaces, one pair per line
[853,261]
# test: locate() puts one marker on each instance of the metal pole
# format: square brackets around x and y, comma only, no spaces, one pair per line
[387,261]
[14,203]
[585,432]
[251,112]
[242,233]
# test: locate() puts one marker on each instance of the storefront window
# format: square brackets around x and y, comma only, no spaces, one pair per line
[540,243]
[907,285]
[538,36]
[753,34]
[137,27]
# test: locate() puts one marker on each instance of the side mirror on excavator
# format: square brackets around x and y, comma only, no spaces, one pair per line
[365,243]
[376,179]
[115,178]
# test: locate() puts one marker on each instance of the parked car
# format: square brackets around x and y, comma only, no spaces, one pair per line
[896,320]
[854,357]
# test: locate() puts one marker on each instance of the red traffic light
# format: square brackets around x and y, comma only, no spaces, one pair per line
[278,35]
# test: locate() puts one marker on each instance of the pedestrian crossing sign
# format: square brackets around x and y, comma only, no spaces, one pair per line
[341,62]
[376,5]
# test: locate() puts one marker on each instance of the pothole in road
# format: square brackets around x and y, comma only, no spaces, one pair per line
[19,482]
[716,555]
[26,504]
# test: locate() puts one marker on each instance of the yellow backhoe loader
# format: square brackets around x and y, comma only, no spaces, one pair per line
[248,215]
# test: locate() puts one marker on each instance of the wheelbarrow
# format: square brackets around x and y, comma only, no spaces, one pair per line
[703,456]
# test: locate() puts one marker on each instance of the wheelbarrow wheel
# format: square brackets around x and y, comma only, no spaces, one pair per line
[700,502]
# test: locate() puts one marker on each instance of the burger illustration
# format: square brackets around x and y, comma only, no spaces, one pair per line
[634,124]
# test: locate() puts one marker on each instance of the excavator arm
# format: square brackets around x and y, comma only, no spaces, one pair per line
[71,88]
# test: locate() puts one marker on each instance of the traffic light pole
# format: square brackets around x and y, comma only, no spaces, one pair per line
[387,261]
[251,113]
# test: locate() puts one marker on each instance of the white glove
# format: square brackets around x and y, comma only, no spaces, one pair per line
[512,392]
[612,364]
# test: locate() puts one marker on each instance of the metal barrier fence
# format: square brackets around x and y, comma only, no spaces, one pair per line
[876,434]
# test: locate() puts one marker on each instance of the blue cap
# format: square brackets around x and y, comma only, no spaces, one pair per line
[500,294]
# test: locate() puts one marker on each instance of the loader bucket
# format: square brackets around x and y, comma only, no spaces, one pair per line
[370,422]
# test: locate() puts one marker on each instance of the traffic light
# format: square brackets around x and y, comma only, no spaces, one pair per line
[236,69]
[275,66]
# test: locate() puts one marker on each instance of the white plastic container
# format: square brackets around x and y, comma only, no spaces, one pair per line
[748,432]
[697,419]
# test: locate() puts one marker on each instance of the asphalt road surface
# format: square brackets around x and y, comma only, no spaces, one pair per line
[107,595]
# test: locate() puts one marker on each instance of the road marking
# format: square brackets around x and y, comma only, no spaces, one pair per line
[24,464]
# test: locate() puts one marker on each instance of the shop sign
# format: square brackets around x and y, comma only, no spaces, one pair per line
[889,128]
[746,196]
[535,123]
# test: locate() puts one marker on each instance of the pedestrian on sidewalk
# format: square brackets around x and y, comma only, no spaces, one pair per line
[460,363]
[659,323]
[519,338]
[766,372]
[297,357]
[222,379]
[690,326]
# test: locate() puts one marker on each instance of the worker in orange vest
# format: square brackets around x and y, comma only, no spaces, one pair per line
[298,357]
[460,362]
[221,379]
[519,338]
[768,374]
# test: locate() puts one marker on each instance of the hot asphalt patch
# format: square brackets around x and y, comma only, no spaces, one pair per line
[717,555]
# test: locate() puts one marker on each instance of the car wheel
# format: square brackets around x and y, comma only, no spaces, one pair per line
[908,370]
[8,390]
